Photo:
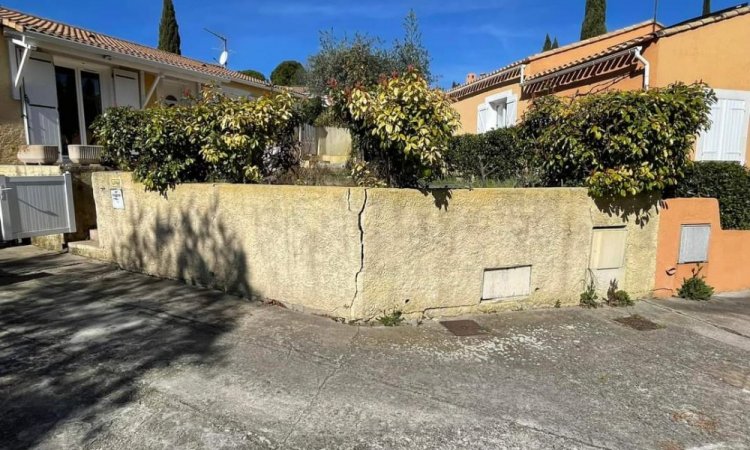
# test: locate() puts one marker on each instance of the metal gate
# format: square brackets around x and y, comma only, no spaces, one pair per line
[36,206]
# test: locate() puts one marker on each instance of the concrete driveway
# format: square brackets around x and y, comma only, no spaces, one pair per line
[94,357]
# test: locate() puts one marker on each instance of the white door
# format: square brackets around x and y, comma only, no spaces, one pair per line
[40,101]
[127,89]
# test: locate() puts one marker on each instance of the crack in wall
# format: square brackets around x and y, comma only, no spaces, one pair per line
[361,253]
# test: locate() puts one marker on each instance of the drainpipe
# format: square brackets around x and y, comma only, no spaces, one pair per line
[646,67]
[523,73]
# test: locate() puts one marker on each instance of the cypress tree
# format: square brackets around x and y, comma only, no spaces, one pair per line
[547,44]
[594,21]
[706,7]
[169,31]
[555,44]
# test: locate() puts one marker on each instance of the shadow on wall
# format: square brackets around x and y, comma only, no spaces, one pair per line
[441,196]
[72,361]
[194,240]
[639,209]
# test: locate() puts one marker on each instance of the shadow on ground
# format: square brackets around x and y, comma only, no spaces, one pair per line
[71,357]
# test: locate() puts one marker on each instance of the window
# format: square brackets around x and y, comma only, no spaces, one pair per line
[497,111]
[694,243]
[726,140]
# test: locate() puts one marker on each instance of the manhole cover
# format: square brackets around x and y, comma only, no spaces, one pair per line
[463,327]
[639,323]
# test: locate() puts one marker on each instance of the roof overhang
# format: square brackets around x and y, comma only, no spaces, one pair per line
[490,81]
[52,43]
[595,67]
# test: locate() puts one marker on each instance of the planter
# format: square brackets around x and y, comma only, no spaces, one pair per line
[85,154]
[38,154]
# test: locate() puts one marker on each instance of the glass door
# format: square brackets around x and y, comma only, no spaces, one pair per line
[91,93]
[67,107]
[79,99]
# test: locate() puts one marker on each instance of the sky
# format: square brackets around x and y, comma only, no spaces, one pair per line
[461,36]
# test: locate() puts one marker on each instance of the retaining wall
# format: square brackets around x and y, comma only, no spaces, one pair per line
[356,253]
[727,267]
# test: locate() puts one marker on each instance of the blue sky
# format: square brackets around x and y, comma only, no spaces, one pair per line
[462,35]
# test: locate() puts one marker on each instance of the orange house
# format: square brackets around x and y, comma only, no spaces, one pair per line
[713,49]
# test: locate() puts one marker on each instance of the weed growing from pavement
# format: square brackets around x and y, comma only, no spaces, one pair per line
[588,296]
[695,287]
[617,297]
[393,319]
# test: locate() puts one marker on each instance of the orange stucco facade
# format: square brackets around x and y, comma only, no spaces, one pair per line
[715,53]
[726,268]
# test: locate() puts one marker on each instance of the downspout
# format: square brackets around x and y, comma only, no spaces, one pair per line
[646,67]
[523,73]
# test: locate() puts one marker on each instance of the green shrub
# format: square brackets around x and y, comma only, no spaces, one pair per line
[728,182]
[400,128]
[494,155]
[120,130]
[695,287]
[215,138]
[618,143]
[617,297]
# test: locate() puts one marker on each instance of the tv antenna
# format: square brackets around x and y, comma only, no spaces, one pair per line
[224,56]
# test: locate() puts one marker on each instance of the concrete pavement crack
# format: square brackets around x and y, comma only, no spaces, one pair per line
[321,386]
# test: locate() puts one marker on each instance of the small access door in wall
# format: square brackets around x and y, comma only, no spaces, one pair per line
[36,206]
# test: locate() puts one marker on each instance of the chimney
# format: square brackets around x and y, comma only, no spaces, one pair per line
[470,78]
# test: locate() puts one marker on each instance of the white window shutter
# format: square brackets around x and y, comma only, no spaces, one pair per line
[482,117]
[735,131]
[726,139]
[709,147]
[511,113]
[127,89]
[40,100]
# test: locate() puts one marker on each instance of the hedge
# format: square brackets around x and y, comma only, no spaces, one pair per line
[728,182]
[495,155]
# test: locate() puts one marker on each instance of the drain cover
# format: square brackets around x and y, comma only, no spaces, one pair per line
[639,323]
[463,327]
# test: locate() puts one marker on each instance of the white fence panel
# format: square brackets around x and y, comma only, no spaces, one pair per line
[36,206]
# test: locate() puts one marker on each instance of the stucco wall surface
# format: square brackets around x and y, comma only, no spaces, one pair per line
[11,121]
[356,253]
[728,254]
[418,257]
[299,245]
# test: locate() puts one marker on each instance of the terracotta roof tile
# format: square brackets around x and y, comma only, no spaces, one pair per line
[488,80]
[23,22]
[468,88]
